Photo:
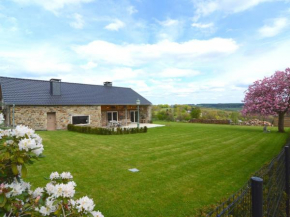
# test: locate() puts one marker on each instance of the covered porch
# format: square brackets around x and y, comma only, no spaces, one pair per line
[125,114]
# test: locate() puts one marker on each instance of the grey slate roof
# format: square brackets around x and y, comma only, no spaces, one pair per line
[36,92]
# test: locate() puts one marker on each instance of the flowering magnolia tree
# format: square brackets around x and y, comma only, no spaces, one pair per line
[21,146]
[270,96]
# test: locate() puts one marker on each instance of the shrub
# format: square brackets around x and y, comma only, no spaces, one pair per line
[22,146]
[104,131]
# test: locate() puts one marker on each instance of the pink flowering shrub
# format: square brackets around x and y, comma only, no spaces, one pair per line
[21,146]
[269,96]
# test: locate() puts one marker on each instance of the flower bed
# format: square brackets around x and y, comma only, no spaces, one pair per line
[105,131]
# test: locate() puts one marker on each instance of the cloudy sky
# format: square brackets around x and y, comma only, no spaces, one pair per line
[170,51]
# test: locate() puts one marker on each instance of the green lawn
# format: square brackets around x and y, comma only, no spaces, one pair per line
[182,166]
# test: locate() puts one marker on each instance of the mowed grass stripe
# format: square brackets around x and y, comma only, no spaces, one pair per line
[182,166]
[188,145]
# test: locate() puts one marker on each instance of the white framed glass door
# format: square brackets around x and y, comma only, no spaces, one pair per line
[112,116]
[134,116]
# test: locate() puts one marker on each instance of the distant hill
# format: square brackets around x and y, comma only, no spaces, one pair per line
[222,106]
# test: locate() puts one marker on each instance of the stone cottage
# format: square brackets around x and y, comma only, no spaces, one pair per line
[52,105]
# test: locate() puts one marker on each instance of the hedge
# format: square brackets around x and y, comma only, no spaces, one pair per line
[105,131]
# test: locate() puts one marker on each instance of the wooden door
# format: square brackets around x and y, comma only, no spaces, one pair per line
[51,121]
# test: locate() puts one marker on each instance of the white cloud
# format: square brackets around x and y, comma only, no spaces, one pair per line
[40,65]
[89,65]
[277,26]
[176,72]
[125,73]
[202,25]
[206,7]
[42,59]
[52,5]
[115,26]
[120,76]
[230,79]
[8,23]
[78,21]
[236,73]
[166,51]
[168,22]
[132,10]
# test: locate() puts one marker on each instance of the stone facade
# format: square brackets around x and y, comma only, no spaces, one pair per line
[36,116]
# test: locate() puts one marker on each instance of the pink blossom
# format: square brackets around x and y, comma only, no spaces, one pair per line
[269,96]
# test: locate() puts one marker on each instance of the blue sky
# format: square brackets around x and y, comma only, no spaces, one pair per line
[170,51]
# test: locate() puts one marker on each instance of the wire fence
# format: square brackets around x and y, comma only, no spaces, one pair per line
[274,199]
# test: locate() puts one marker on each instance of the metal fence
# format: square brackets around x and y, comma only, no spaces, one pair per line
[266,194]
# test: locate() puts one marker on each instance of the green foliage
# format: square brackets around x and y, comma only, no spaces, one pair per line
[235,117]
[106,131]
[223,106]
[187,112]
[165,115]
[11,157]
[164,106]
[195,112]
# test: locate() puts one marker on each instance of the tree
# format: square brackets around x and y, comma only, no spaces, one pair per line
[270,96]
[195,112]
[235,117]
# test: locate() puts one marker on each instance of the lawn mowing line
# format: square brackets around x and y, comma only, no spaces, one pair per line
[233,161]
[189,146]
[180,150]
[161,147]
[188,175]
[214,158]
[167,189]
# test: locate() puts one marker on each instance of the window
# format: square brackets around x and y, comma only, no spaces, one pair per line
[134,116]
[112,116]
[80,119]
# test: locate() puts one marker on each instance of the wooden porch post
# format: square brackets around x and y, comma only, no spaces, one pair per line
[126,115]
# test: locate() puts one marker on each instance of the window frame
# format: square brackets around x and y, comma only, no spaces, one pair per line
[113,115]
[135,115]
[89,122]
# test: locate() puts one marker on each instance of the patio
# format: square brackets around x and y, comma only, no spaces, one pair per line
[134,125]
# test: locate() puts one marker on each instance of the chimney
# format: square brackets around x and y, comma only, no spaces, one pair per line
[108,84]
[55,87]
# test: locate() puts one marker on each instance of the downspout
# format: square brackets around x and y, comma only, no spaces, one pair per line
[13,117]
[8,115]
[126,115]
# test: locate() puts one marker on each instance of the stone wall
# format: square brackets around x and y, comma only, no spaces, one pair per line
[104,118]
[149,114]
[36,116]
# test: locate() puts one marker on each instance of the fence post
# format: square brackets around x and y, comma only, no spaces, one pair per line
[257,196]
[287,178]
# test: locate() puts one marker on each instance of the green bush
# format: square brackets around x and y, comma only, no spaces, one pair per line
[104,131]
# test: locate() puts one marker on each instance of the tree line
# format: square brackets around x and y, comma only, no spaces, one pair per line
[188,112]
